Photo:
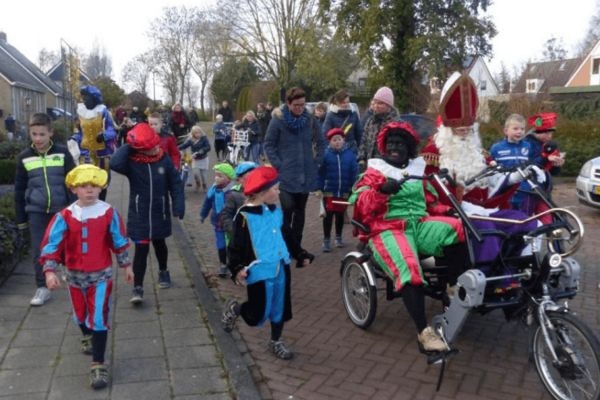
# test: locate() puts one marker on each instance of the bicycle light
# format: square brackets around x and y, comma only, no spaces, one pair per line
[555,260]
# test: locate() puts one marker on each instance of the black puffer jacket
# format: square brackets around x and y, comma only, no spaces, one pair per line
[40,181]
[152,187]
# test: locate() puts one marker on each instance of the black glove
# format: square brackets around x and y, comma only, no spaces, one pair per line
[362,166]
[391,186]
[452,212]
[100,137]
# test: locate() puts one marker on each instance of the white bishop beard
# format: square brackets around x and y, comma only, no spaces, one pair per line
[461,156]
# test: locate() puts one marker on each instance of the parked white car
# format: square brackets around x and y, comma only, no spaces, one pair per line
[588,183]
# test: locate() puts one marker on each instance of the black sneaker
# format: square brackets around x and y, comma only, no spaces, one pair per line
[164,279]
[99,376]
[280,349]
[138,295]
[230,314]
[86,345]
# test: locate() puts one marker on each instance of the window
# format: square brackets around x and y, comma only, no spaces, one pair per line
[596,66]
[531,86]
[483,85]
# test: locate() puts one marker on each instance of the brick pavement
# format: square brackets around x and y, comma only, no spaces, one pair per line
[164,349]
[336,360]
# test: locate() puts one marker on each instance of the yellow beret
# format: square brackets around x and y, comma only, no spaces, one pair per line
[84,174]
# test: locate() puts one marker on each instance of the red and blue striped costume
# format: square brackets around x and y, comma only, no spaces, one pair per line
[82,239]
[403,225]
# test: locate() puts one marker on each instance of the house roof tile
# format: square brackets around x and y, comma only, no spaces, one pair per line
[20,71]
[553,73]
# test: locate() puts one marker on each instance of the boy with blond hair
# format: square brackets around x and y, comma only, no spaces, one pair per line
[512,150]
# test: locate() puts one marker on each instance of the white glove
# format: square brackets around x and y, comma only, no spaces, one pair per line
[540,174]
[514,177]
[473,209]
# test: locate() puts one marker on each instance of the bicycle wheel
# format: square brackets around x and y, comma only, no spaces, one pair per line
[576,375]
[360,297]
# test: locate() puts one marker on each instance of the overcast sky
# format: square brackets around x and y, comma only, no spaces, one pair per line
[121,26]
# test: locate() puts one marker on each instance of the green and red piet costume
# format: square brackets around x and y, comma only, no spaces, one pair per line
[403,225]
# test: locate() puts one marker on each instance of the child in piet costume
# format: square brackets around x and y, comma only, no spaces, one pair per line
[405,220]
[259,258]
[82,238]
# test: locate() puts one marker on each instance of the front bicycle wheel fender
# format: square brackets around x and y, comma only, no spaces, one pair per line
[577,373]
[359,296]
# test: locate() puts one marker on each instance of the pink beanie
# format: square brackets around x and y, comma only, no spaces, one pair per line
[385,95]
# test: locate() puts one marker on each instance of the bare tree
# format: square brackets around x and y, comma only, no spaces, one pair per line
[98,62]
[207,51]
[173,35]
[192,93]
[593,34]
[272,33]
[554,49]
[503,79]
[137,72]
[47,59]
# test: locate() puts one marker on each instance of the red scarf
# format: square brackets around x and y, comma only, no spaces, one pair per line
[178,117]
[145,158]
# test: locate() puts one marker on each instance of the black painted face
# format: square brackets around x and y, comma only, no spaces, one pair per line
[396,150]
[89,101]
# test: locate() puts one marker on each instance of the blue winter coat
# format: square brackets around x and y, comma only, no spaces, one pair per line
[214,203]
[338,172]
[290,151]
[342,119]
[152,188]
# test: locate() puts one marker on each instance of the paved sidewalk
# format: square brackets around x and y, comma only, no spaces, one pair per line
[164,349]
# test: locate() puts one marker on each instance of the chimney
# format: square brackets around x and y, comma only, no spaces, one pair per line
[3,37]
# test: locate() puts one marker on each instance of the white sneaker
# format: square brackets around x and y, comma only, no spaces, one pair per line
[41,296]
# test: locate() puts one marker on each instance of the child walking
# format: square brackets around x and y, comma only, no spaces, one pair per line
[214,203]
[153,183]
[199,146]
[258,257]
[337,174]
[236,197]
[40,191]
[82,237]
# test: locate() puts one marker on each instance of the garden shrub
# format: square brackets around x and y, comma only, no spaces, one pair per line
[579,139]
[12,247]
[7,172]
[10,149]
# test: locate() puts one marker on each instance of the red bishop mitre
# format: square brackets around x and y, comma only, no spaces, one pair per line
[458,103]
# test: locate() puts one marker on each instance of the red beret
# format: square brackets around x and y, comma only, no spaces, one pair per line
[396,125]
[142,137]
[259,179]
[543,122]
[335,131]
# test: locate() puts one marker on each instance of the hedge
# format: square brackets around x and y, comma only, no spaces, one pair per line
[579,139]
[12,246]
[7,172]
